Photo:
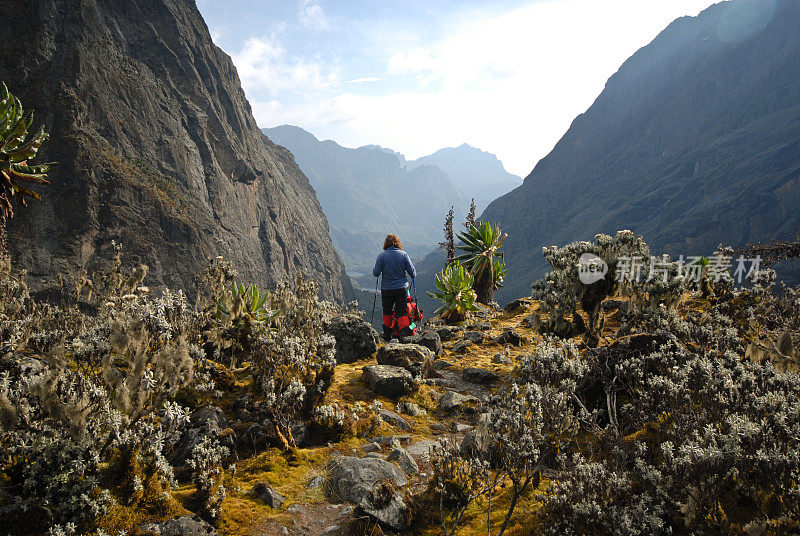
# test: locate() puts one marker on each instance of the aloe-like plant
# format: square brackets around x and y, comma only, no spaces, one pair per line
[241,313]
[454,288]
[15,151]
[483,258]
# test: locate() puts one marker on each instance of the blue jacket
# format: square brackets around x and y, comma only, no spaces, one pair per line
[393,263]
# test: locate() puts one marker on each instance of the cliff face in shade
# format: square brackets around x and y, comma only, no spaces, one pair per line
[693,142]
[157,149]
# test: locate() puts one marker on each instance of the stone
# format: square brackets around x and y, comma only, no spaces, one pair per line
[422,449]
[479,326]
[517,304]
[388,440]
[372,485]
[371,447]
[316,482]
[180,526]
[208,421]
[460,428]
[394,419]
[355,338]
[449,333]
[268,494]
[476,337]
[377,455]
[511,337]
[430,339]
[479,375]
[452,401]
[411,357]
[501,359]
[461,346]
[410,408]
[441,364]
[404,461]
[389,381]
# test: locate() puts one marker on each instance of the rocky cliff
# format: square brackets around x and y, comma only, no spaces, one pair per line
[693,142]
[157,149]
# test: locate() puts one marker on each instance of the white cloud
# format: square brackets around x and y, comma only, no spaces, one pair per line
[365,80]
[509,83]
[312,16]
[265,65]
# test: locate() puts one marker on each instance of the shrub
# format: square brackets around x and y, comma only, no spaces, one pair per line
[293,360]
[454,288]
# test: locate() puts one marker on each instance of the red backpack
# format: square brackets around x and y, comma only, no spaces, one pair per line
[406,325]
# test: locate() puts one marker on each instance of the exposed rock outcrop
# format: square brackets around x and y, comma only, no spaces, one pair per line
[157,150]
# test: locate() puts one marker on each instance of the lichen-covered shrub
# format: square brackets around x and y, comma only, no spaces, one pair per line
[78,390]
[687,436]
[647,282]
[293,358]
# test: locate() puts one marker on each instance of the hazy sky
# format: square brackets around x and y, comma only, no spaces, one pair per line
[416,76]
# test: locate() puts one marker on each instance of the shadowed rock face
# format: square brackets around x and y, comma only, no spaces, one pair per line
[157,149]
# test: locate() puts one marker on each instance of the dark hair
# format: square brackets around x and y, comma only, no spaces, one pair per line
[392,242]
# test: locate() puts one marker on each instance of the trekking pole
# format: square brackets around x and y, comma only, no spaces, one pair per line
[416,306]
[374,300]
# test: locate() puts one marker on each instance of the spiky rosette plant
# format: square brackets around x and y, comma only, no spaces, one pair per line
[481,244]
[454,287]
[15,151]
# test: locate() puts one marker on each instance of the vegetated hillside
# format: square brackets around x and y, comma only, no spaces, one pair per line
[367,193]
[157,149]
[693,142]
[475,172]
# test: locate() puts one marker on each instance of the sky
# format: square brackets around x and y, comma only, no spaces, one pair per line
[416,76]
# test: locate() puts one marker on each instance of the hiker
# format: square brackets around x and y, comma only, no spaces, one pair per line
[394,263]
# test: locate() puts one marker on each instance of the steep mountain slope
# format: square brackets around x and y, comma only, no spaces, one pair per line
[158,149]
[367,193]
[475,172]
[693,142]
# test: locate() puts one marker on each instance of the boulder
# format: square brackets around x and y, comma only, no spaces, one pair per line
[449,333]
[372,485]
[388,380]
[441,364]
[355,338]
[501,359]
[411,357]
[394,419]
[517,304]
[410,408]
[476,337]
[371,447]
[404,461]
[422,449]
[452,401]
[511,337]
[209,421]
[461,346]
[430,340]
[479,375]
[268,494]
[180,526]
[480,326]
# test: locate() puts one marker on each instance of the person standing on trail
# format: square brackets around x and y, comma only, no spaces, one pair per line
[394,263]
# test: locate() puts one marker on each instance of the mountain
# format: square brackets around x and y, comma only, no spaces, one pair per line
[693,142]
[368,192]
[157,149]
[476,173]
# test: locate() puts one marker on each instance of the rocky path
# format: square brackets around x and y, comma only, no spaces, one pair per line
[455,370]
